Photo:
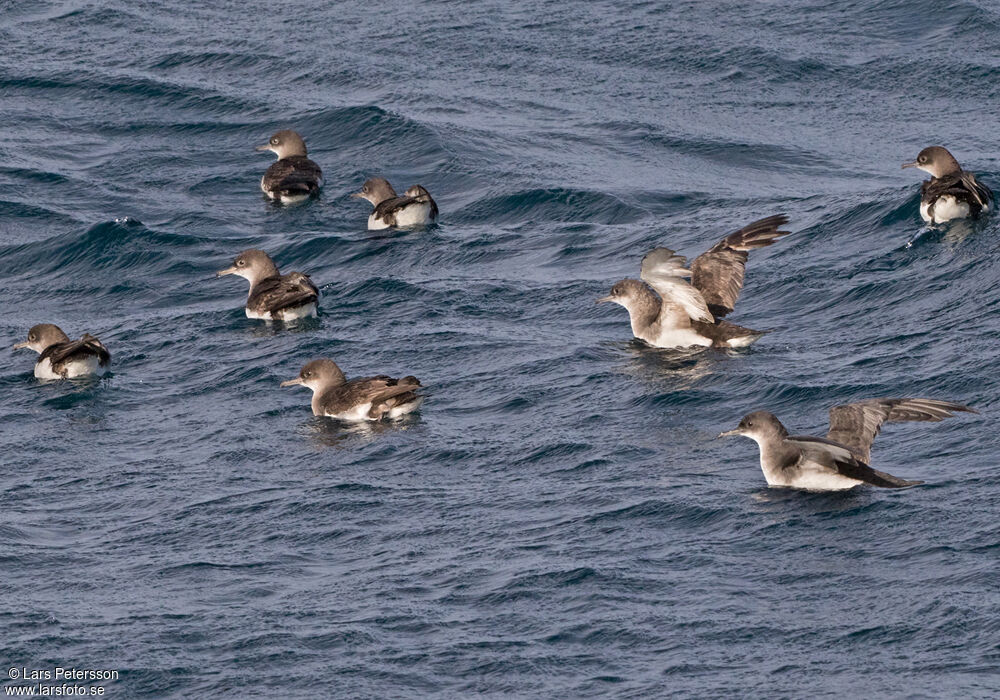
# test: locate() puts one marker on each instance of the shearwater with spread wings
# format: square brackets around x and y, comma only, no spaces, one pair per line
[667,311]
[840,460]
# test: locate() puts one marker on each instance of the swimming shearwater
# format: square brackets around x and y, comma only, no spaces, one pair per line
[415,208]
[840,460]
[669,312]
[62,358]
[364,399]
[951,193]
[293,177]
[273,296]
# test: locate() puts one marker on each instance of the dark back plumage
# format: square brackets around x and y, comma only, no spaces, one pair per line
[292,176]
[963,186]
[61,353]
[383,392]
[289,291]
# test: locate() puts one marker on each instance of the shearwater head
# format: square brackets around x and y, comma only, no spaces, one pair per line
[639,300]
[253,265]
[935,160]
[42,336]
[376,190]
[760,426]
[318,375]
[285,143]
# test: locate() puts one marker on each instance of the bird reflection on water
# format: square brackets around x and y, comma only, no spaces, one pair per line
[684,367]
[325,432]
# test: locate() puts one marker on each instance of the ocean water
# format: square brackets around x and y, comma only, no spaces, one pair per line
[557,522]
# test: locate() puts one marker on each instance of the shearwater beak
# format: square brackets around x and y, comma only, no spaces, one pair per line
[292,382]
[265,147]
[603,300]
[729,433]
[359,195]
[227,271]
[18,346]
[911,164]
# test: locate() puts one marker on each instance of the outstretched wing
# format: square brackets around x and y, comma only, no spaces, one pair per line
[718,273]
[663,270]
[856,424]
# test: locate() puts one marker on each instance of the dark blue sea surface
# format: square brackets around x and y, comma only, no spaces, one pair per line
[557,522]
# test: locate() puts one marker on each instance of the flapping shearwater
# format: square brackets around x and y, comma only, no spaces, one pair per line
[951,193]
[366,399]
[62,358]
[415,208]
[293,177]
[273,296]
[840,460]
[669,312]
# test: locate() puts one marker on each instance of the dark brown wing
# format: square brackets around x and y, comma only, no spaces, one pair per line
[386,211]
[374,390]
[293,175]
[718,273]
[981,195]
[434,208]
[855,425]
[963,186]
[285,292]
[87,345]
[721,332]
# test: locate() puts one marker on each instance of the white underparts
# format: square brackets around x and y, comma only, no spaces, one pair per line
[415,214]
[946,208]
[86,366]
[292,314]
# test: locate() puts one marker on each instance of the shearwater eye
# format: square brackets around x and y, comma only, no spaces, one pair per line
[274,141]
[922,159]
[308,374]
[241,262]
[31,336]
